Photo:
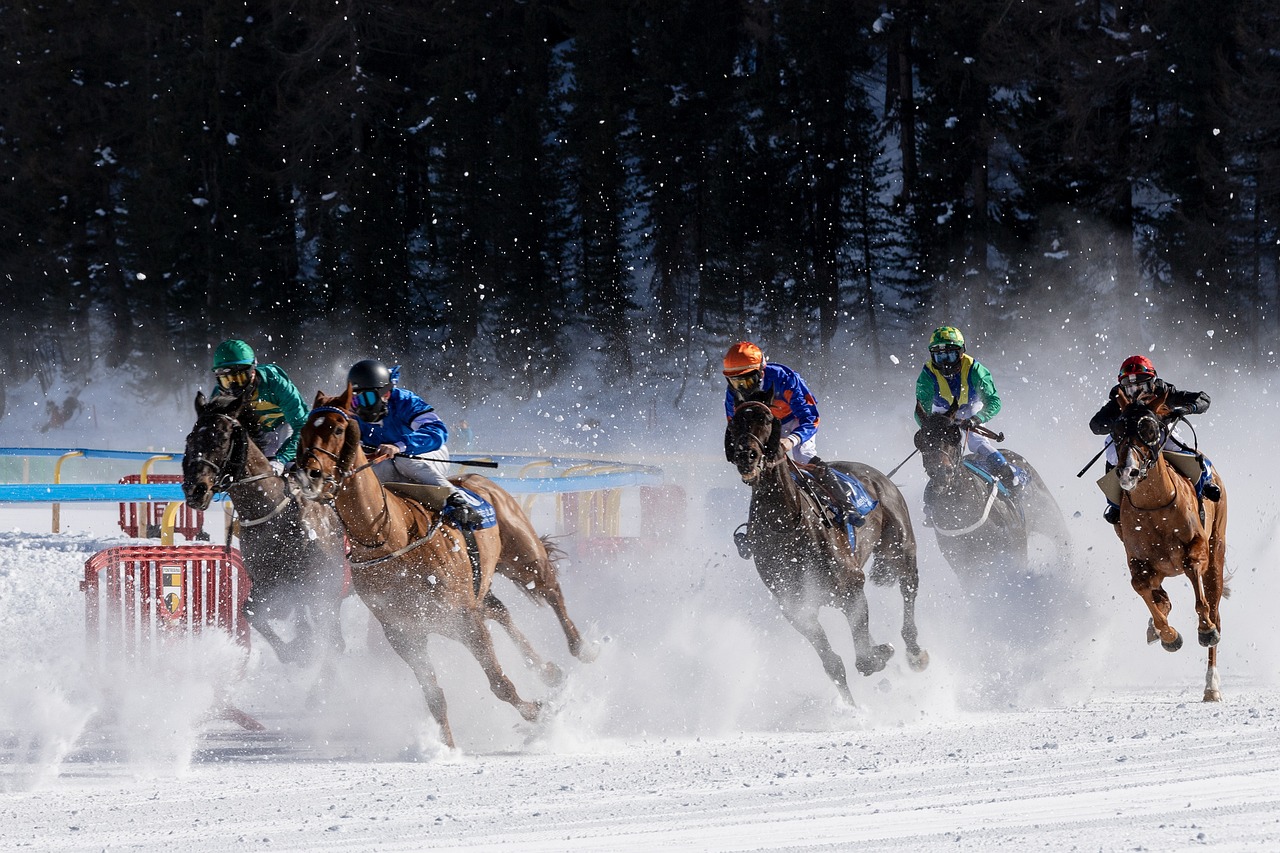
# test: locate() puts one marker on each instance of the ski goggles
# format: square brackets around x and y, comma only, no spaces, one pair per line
[1137,384]
[368,398]
[946,357]
[234,377]
[746,381]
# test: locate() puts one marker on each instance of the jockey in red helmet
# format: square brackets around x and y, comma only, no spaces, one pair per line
[1138,381]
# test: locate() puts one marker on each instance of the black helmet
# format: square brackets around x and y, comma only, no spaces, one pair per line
[370,382]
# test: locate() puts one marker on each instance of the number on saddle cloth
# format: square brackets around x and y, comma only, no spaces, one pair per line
[488,518]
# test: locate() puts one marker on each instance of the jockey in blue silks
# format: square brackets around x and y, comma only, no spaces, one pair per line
[748,372]
[398,422]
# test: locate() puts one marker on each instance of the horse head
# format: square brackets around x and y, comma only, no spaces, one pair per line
[1138,435]
[940,444]
[327,447]
[217,448]
[752,439]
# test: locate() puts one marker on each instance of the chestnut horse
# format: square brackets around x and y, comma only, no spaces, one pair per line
[805,562]
[293,549]
[1167,531]
[412,569]
[979,529]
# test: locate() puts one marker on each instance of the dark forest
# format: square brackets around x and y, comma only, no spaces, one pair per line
[512,188]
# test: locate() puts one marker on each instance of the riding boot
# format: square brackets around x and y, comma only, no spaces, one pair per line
[460,512]
[1210,491]
[835,490]
[1003,469]
[1111,514]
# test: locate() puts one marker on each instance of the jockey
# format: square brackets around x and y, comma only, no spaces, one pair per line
[1138,381]
[272,394]
[955,382]
[399,422]
[748,372]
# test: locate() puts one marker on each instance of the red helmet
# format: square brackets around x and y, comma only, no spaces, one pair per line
[1136,365]
[743,357]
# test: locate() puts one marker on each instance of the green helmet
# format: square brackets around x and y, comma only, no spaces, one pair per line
[945,337]
[232,352]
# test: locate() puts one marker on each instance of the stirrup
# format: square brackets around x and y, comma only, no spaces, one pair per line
[460,512]
[1211,492]
[1111,514]
[740,540]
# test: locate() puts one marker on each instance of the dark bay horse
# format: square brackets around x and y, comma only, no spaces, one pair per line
[1167,532]
[979,529]
[293,549]
[805,563]
[412,569]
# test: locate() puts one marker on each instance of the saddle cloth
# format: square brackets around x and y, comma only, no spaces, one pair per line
[433,498]
[858,497]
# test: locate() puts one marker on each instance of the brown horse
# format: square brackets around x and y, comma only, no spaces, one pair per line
[293,549]
[1167,531]
[412,569]
[806,562]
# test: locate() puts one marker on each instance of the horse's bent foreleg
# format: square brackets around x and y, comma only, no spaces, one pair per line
[412,647]
[497,611]
[870,657]
[475,636]
[805,620]
[1146,582]
[256,612]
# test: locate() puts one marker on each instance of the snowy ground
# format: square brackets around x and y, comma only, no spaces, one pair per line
[1043,722]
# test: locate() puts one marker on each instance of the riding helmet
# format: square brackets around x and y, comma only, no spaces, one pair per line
[370,382]
[1137,365]
[743,357]
[946,337]
[232,352]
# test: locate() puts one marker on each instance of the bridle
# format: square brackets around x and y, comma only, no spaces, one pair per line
[1127,433]
[338,479]
[743,437]
[934,444]
[230,472]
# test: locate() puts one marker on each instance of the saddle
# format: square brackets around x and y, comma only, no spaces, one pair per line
[433,498]
[832,512]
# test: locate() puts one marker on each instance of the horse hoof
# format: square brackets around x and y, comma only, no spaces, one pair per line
[1213,696]
[918,661]
[552,675]
[1210,638]
[879,656]
[586,652]
[1173,646]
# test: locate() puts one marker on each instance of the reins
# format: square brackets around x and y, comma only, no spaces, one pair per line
[225,477]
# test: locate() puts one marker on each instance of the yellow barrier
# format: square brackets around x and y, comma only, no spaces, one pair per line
[57,478]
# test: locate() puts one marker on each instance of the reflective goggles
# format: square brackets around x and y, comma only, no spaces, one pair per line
[946,357]
[368,398]
[233,377]
[745,381]
[1137,384]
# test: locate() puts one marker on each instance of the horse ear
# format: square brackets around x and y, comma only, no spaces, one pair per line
[728,443]
[320,400]
[737,395]
[201,402]
[343,400]
[775,437]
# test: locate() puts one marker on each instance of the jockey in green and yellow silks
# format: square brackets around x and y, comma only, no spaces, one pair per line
[954,381]
[272,394]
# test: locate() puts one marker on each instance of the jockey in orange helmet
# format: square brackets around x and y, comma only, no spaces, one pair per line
[1138,382]
[749,372]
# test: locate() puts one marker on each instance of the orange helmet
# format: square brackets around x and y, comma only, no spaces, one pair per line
[743,357]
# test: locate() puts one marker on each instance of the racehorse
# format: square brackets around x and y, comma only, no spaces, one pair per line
[293,549]
[412,569]
[979,528]
[805,561]
[1167,531]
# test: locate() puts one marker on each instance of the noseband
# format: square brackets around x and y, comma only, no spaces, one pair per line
[1126,438]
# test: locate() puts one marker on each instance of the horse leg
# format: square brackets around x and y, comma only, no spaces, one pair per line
[871,658]
[412,648]
[475,636]
[494,609]
[538,579]
[256,610]
[805,620]
[904,567]
[1146,582]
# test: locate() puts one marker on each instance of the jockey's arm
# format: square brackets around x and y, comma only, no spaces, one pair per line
[980,379]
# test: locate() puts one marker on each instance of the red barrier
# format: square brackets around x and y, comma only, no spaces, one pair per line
[142,520]
[136,596]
